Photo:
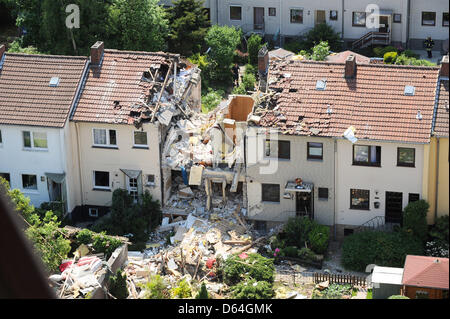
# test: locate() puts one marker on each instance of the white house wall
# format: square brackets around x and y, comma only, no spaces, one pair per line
[387,178]
[16,160]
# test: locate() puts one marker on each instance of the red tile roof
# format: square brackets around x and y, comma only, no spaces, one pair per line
[421,271]
[342,56]
[26,98]
[442,111]
[118,79]
[373,102]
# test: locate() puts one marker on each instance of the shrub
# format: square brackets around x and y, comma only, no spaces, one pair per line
[211,100]
[182,291]
[390,57]
[410,54]
[380,248]
[415,219]
[239,90]
[306,254]
[320,51]
[322,32]
[254,266]
[296,231]
[439,231]
[249,80]
[203,293]
[253,289]
[318,238]
[118,285]
[254,44]
[250,69]
[398,297]
[381,51]
[290,251]
[100,242]
[334,291]
[156,288]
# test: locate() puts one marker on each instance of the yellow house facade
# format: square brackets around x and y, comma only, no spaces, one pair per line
[436,165]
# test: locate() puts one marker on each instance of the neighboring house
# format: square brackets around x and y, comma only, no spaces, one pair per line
[425,277]
[436,179]
[342,56]
[37,93]
[386,282]
[117,142]
[388,108]
[405,22]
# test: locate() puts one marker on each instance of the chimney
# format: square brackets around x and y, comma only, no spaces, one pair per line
[444,67]
[263,60]
[97,53]
[350,67]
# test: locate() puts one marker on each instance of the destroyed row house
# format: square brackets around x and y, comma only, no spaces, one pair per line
[347,144]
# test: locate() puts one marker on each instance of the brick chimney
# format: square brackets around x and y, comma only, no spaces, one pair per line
[444,66]
[350,67]
[263,60]
[97,53]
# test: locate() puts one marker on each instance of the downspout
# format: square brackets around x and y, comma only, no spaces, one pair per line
[335,187]
[79,163]
[343,9]
[281,20]
[408,22]
[217,12]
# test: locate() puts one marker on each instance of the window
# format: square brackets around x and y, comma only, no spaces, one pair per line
[271,193]
[397,18]
[315,151]
[101,180]
[406,156]
[105,138]
[235,13]
[284,149]
[359,19]
[140,139]
[93,212]
[333,15]
[29,182]
[359,199]
[6,176]
[272,12]
[445,22]
[150,180]
[323,193]
[35,140]
[413,197]
[296,15]
[365,155]
[429,19]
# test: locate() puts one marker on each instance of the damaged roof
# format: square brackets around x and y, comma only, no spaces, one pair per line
[117,88]
[38,90]
[373,101]
[442,113]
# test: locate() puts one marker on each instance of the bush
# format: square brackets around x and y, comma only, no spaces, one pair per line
[249,80]
[156,288]
[254,44]
[322,32]
[296,231]
[250,69]
[381,51]
[239,90]
[380,248]
[318,238]
[410,54]
[320,51]
[334,291]
[290,251]
[255,266]
[118,285]
[402,59]
[253,289]
[439,231]
[100,242]
[398,297]
[211,100]
[415,219]
[390,57]
[203,293]
[182,291]
[307,254]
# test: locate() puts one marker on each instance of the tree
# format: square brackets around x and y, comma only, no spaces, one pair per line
[415,219]
[139,25]
[254,44]
[203,293]
[223,41]
[189,24]
[118,285]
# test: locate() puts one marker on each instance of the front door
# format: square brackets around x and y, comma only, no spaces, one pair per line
[304,204]
[132,186]
[319,17]
[394,207]
[258,18]
[384,24]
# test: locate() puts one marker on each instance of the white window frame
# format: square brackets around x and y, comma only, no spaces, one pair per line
[229,11]
[32,147]
[140,145]
[30,190]
[108,142]
[303,16]
[91,214]
[101,187]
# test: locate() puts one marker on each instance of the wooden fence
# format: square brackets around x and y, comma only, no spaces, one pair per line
[340,279]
